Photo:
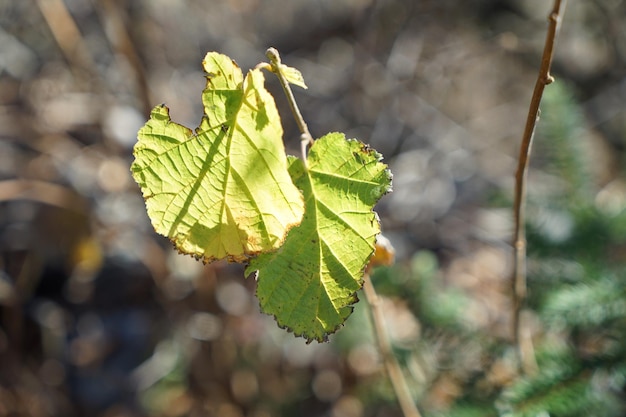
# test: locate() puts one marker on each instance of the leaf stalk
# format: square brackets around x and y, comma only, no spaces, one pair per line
[276,67]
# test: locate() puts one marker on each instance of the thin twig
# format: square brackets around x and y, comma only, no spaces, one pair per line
[400,386]
[305,136]
[396,376]
[518,282]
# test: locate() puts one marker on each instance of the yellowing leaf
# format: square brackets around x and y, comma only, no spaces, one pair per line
[222,191]
[310,283]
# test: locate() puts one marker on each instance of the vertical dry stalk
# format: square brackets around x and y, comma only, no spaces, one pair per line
[396,376]
[383,247]
[114,21]
[526,358]
[66,34]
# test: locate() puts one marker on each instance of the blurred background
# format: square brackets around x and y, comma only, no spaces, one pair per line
[99,316]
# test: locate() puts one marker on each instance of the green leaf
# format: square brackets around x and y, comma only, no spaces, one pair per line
[222,191]
[310,283]
[293,76]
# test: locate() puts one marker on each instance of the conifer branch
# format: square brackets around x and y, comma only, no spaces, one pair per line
[518,282]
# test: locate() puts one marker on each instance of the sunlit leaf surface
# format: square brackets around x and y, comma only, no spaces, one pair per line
[310,283]
[222,191]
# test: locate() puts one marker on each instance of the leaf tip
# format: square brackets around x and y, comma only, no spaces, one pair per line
[159,113]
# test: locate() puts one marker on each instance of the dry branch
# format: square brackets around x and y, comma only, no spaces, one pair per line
[518,282]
